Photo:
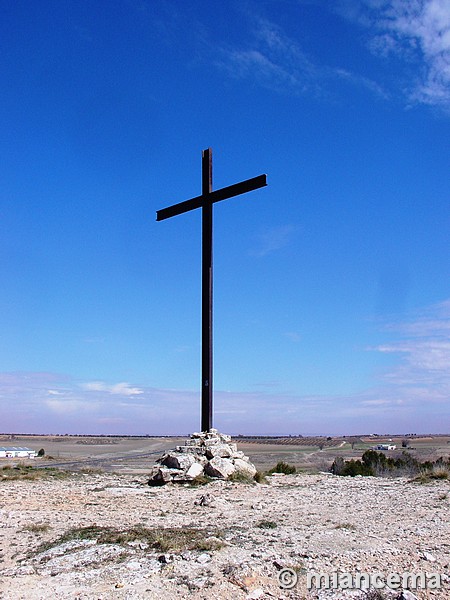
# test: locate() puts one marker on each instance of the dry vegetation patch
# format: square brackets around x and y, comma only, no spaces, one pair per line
[27,473]
[162,539]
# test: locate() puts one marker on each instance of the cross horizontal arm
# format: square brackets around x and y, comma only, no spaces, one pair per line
[227,192]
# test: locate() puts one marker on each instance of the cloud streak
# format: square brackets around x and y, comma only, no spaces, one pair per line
[417,32]
[411,395]
[272,239]
[424,351]
[121,389]
[277,62]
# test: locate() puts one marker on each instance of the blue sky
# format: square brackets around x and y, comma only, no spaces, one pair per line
[331,285]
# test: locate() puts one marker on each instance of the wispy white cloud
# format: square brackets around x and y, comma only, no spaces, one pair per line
[423,348]
[417,31]
[294,336]
[276,61]
[121,389]
[412,394]
[272,239]
[67,406]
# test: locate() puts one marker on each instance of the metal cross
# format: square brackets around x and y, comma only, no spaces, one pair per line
[205,202]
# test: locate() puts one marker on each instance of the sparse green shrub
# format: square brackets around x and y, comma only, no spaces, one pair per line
[348,526]
[36,527]
[374,594]
[163,539]
[435,472]
[239,477]
[259,477]
[439,473]
[350,467]
[338,466]
[90,471]
[200,480]
[378,464]
[282,467]
[28,473]
[421,478]
[267,525]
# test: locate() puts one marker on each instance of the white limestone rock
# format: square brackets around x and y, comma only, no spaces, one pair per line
[220,450]
[161,475]
[220,467]
[244,467]
[195,470]
[173,460]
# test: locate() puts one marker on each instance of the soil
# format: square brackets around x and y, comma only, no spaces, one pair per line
[223,540]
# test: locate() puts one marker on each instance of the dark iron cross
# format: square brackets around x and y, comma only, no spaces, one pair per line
[205,202]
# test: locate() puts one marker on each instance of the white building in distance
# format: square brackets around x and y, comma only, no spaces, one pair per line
[385,447]
[16,452]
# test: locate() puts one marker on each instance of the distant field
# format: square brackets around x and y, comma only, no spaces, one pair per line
[138,454]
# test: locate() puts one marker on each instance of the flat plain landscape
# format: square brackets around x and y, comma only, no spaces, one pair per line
[125,454]
[89,527]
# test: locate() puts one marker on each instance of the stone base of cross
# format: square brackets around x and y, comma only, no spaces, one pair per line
[210,454]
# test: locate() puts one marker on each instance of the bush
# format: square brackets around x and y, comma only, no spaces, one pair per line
[378,464]
[41,452]
[200,480]
[338,466]
[239,477]
[267,525]
[260,477]
[283,467]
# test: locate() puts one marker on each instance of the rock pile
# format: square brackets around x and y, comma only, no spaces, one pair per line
[209,453]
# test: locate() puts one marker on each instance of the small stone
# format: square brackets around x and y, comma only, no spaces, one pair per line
[203,558]
[407,595]
[119,585]
[165,559]
[255,594]
[194,470]
[204,500]
[427,556]
[198,583]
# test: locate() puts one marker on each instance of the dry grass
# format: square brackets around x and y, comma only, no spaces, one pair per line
[374,594]
[437,472]
[267,525]
[161,539]
[27,473]
[348,526]
[37,527]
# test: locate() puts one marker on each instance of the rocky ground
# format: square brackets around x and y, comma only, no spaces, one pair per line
[224,540]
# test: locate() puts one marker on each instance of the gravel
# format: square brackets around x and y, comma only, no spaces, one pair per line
[317,524]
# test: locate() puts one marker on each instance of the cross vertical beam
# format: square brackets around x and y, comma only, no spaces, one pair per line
[205,202]
[207,293]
